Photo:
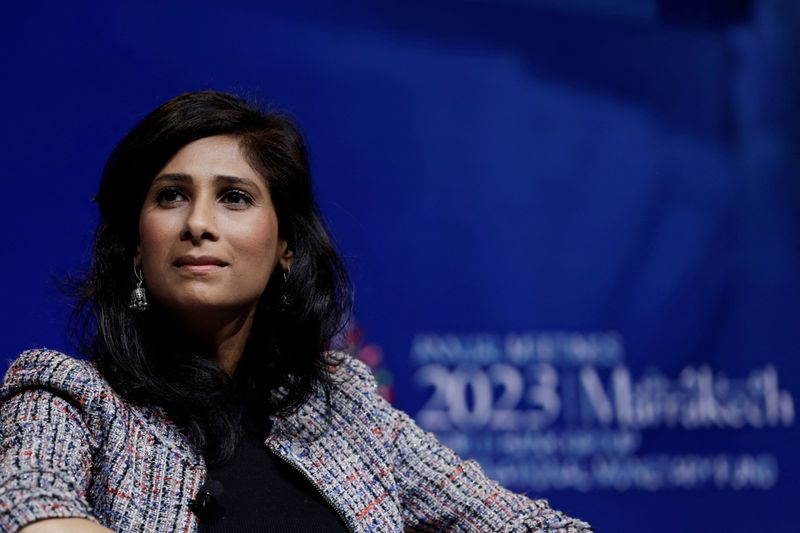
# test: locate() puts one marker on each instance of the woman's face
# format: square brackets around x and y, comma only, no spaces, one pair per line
[208,231]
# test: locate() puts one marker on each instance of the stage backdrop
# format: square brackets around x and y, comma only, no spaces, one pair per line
[573,226]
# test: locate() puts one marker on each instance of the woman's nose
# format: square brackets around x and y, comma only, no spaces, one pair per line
[201,222]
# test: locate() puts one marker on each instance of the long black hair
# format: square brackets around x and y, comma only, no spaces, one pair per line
[145,356]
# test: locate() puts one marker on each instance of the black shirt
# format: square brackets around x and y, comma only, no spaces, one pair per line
[257,491]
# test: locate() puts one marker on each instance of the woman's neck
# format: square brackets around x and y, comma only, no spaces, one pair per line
[223,338]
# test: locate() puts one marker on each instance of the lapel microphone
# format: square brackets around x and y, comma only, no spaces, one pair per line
[206,505]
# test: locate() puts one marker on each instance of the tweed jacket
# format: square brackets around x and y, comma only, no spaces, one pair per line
[71,447]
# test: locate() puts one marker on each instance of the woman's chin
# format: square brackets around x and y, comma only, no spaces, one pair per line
[207,308]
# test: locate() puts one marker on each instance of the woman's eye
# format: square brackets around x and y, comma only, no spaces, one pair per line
[169,196]
[239,198]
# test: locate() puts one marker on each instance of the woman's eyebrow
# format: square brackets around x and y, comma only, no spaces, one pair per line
[183,178]
[234,180]
[220,178]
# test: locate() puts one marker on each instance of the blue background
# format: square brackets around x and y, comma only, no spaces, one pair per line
[502,166]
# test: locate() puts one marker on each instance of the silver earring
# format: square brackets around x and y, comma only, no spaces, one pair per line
[139,294]
[286,301]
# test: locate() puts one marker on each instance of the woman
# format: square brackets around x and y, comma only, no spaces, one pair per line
[212,400]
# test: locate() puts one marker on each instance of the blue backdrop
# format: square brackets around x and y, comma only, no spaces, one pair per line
[573,226]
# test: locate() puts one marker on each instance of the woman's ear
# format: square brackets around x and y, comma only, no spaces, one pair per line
[287,256]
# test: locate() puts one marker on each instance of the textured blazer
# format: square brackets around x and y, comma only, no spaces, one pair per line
[71,447]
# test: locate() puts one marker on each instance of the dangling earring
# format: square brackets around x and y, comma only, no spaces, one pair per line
[286,300]
[139,294]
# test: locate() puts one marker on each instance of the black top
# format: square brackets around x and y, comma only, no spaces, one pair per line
[257,491]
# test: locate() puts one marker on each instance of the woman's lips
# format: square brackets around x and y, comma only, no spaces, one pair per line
[200,269]
[199,264]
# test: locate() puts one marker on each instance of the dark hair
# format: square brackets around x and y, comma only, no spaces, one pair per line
[144,355]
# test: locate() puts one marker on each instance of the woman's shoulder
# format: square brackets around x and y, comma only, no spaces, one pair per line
[353,392]
[353,384]
[349,372]
[350,390]
[56,371]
